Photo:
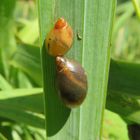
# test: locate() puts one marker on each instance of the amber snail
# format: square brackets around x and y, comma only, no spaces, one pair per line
[72,81]
[59,39]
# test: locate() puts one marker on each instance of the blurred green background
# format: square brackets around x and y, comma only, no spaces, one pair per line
[20,65]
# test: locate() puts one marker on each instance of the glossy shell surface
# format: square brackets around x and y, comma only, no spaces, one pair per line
[60,38]
[72,82]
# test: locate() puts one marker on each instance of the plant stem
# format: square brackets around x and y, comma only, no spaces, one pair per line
[137,8]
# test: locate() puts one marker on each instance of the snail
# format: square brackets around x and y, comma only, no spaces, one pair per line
[71,77]
[72,81]
[60,38]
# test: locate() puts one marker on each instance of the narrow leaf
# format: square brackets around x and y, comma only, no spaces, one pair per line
[4,83]
[21,116]
[27,59]
[25,99]
[92,20]
[29,34]
[2,137]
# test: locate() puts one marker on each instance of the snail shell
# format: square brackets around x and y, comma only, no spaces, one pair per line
[72,82]
[60,38]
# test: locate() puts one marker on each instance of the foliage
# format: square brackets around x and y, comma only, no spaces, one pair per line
[21,93]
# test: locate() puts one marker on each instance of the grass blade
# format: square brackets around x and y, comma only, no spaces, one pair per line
[21,116]
[27,58]
[92,20]
[4,83]
[25,99]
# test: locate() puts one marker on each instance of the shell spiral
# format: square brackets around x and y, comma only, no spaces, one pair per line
[59,39]
[72,82]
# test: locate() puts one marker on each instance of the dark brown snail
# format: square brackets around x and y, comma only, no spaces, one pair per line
[60,38]
[72,81]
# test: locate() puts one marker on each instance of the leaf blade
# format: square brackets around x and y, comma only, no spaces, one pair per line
[89,20]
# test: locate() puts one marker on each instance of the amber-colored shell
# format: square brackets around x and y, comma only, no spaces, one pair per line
[60,38]
[72,82]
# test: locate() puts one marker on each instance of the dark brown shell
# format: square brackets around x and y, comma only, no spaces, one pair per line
[72,82]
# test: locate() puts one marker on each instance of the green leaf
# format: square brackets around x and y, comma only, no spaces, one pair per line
[29,34]
[3,137]
[123,90]
[4,83]
[21,116]
[128,11]
[24,81]
[17,105]
[92,20]
[111,127]
[27,59]
[7,40]
[137,7]
[25,99]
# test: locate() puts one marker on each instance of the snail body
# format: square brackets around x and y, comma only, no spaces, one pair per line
[60,38]
[72,81]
